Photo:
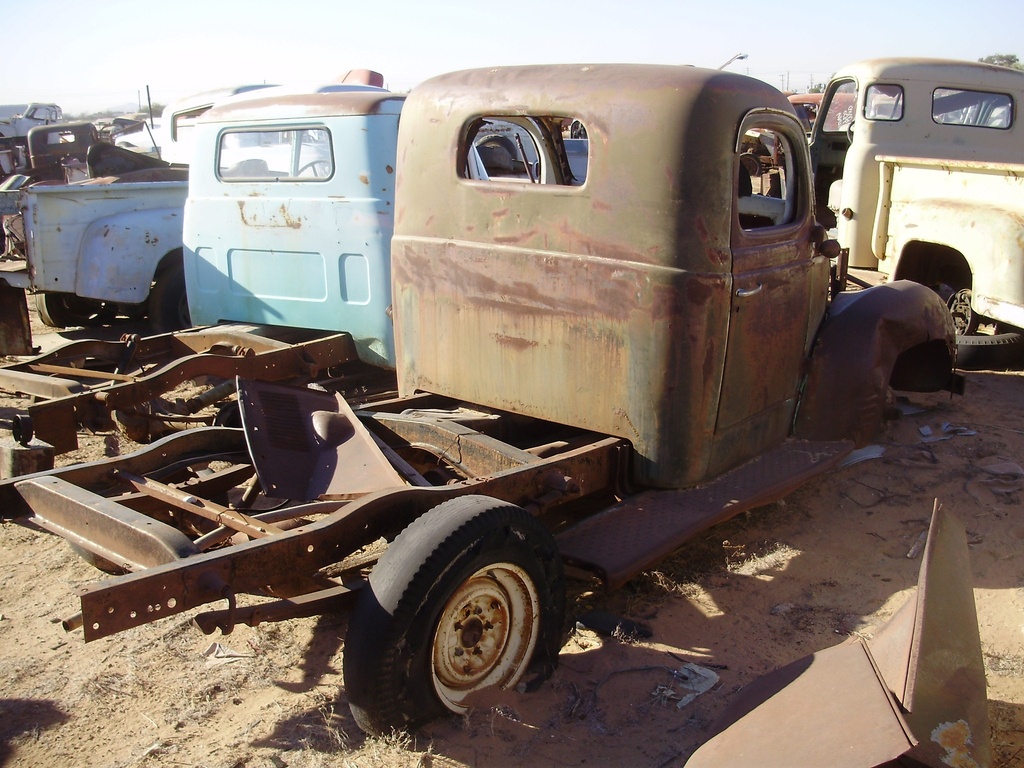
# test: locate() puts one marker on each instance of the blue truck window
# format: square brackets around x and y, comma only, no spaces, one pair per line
[301,154]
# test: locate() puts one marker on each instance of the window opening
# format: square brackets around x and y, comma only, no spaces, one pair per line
[529,150]
[883,102]
[979,109]
[841,108]
[300,154]
[766,189]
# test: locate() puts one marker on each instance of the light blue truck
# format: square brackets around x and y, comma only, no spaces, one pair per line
[291,211]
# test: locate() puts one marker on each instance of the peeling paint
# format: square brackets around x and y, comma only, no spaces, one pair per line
[956,739]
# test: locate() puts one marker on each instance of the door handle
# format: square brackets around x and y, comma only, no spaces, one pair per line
[744,292]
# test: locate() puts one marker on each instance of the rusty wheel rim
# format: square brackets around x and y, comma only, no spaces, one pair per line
[485,634]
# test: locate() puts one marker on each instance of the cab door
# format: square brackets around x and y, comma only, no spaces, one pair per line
[779,287]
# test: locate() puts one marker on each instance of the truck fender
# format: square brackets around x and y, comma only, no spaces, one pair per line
[119,254]
[992,245]
[899,334]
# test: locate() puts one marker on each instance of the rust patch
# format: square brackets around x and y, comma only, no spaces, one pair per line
[389,169]
[698,292]
[289,222]
[624,417]
[518,238]
[512,342]
[701,226]
[364,178]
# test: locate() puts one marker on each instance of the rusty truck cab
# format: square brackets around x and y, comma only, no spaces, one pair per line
[653,291]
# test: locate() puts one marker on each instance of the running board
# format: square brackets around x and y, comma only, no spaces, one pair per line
[633,535]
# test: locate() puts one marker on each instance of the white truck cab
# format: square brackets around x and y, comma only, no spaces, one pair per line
[920,162]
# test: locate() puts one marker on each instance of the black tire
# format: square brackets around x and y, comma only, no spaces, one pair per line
[997,352]
[65,310]
[167,306]
[480,562]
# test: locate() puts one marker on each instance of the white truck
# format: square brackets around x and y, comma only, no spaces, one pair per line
[86,250]
[922,164]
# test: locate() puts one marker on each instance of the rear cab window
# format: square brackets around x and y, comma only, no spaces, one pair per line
[979,109]
[525,149]
[294,154]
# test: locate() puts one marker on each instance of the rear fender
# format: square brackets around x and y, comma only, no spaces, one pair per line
[120,253]
[899,334]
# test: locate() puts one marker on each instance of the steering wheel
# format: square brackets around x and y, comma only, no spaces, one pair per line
[849,131]
[320,168]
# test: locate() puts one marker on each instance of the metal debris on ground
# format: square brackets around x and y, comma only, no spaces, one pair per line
[217,654]
[696,680]
[863,454]
[946,431]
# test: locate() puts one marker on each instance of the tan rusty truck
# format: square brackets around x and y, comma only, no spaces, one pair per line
[603,347]
[921,163]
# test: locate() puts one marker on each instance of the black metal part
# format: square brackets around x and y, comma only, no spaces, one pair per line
[21,428]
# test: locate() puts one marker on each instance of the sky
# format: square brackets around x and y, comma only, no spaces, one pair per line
[107,54]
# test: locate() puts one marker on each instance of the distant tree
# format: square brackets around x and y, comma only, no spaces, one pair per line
[1003,60]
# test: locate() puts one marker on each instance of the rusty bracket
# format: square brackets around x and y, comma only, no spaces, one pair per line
[224,516]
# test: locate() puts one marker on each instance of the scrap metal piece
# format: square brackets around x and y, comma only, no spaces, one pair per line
[217,513]
[111,531]
[307,444]
[77,384]
[15,329]
[917,690]
[331,600]
[929,653]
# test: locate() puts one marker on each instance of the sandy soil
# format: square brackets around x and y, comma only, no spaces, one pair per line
[751,594]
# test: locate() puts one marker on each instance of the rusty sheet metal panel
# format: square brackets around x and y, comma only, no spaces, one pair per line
[858,353]
[15,329]
[916,690]
[603,306]
[930,654]
[307,444]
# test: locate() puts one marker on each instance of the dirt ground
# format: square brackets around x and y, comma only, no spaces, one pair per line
[757,592]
